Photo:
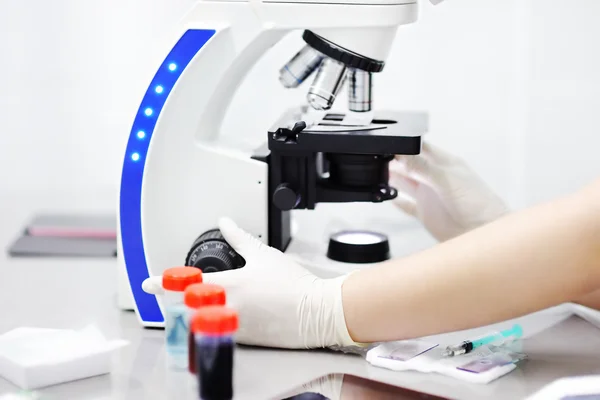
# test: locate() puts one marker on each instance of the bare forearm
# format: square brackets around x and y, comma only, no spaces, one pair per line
[519,264]
[591,300]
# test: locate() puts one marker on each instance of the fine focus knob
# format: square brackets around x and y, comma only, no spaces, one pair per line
[360,247]
[285,198]
[211,253]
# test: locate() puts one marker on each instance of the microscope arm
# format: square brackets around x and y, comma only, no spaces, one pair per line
[175,172]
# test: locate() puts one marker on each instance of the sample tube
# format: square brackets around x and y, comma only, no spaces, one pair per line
[300,67]
[360,90]
[214,327]
[177,316]
[327,84]
[197,296]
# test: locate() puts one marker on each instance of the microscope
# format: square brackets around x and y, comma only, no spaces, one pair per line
[178,177]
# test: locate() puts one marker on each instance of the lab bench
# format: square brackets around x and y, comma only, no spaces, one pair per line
[72,293]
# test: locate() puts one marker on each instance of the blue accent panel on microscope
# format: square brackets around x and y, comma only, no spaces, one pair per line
[133,166]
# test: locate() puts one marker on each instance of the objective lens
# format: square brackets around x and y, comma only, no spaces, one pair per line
[304,63]
[327,84]
[360,90]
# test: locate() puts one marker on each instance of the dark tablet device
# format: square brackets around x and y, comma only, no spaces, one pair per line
[67,235]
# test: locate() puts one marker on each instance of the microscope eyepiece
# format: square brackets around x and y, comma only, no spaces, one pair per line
[327,84]
[300,67]
[360,90]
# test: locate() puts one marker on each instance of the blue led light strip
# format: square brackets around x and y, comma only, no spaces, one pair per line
[135,159]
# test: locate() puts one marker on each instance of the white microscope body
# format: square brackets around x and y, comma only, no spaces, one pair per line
[177,179]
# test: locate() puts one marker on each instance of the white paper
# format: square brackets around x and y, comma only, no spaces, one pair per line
[409,349]
[33,357]
[432,361]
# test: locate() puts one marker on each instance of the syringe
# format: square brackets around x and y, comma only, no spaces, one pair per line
[495,338]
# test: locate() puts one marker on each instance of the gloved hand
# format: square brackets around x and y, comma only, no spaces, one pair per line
[280,303]
[442,191]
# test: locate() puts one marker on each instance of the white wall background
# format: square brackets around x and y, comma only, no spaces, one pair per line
[512,85]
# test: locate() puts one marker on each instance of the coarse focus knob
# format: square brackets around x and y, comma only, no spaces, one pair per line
[285,198]
[211,253]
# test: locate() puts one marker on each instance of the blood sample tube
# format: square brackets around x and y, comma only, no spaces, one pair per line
[177,315]
[196,296]
[214,328]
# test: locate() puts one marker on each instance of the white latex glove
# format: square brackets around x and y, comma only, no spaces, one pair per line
[280,303]
[153,285]
[442,191]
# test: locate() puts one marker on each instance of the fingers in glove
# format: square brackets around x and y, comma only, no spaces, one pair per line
[240,240]
[153,285]
[404,184]
[226,279]
[406,204]
[417,167]
[437,155]
[407,189]
[434,155]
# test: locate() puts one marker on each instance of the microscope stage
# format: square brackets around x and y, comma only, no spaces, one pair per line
[387,132]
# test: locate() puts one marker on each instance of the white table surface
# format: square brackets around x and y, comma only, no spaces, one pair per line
[71,293]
